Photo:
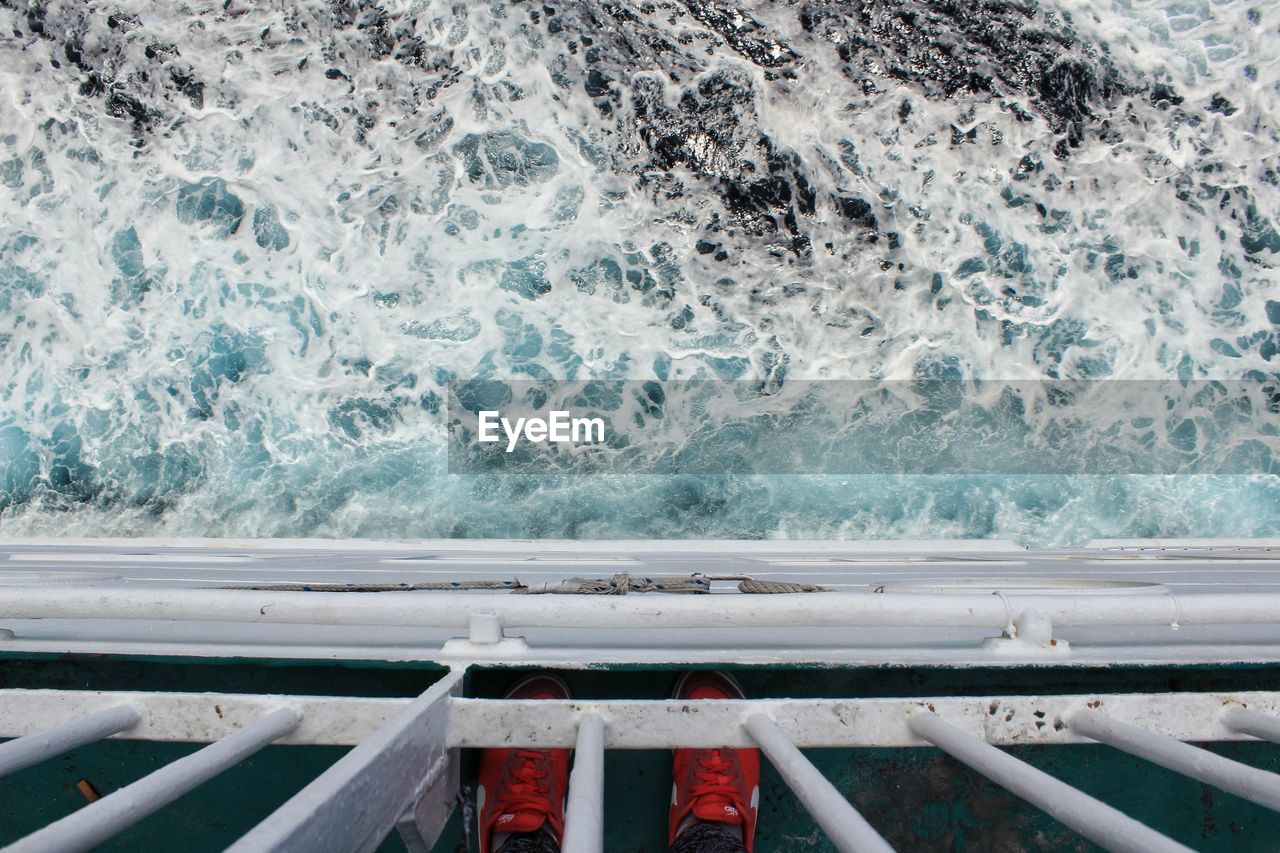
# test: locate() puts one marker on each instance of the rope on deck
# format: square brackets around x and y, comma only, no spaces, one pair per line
[755,587]
[619,584]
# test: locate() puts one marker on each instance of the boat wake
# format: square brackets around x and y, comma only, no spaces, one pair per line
[246,247]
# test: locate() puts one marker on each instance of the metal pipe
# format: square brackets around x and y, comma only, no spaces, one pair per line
[1253,784]
[1253,723]
[1092,818]
[34,748]
[98,821]
[584,815]
[844,826]
[454,609]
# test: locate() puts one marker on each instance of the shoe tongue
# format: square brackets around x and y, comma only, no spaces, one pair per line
[519,821]
[718,809]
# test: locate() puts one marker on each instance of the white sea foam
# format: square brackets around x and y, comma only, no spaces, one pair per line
[159,375]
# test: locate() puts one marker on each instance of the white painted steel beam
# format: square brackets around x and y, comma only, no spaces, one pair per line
[844,826]
[356,802]
[98,821]
[1263,726]
[1004,720]
[584,814]
[1253,784]
[39,746]
[454,609]
[420,827]
[641,724]
[1092,818]
[198,717]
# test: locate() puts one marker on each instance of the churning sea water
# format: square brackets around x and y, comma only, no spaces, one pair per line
[244,247]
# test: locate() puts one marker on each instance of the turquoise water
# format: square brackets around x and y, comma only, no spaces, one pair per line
[243,251]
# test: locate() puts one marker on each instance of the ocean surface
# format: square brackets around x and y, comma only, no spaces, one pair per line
[245,248]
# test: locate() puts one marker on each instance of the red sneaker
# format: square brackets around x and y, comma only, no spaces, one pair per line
[717,785]
[519,790]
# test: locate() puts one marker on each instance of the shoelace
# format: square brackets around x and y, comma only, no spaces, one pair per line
[526,793]
[712,780]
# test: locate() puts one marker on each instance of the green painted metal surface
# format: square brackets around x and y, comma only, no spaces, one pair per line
[919,799]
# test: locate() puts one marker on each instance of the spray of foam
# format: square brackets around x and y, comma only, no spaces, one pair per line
[242,250]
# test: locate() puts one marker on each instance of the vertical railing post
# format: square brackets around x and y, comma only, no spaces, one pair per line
[34,748]
[847,829]
[584,814]
[98,821]
[1262,726]
[1092,818]
[1253,784]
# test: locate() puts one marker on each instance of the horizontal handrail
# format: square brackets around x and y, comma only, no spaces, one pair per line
[196,717]
[645,723]
[736,610]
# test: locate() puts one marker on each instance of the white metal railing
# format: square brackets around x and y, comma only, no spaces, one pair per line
[584,816]
[917,602]
[1252,723]
[842,823]
[1093,819]
[817,610]
[100,820]
[1024,626]
[357,801]
[38,746]
[403,771]
[1242,780]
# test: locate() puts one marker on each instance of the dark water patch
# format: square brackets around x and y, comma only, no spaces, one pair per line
[747,36]
[357,417]
[267,230]
[210,201]
[526,277]
[1163,96]
[713,133]
[20,471]
[502,159]
[18,286]
[134,281]
[1221,105]
[990,47]
[115,60]
[229,358]
[142,78]
[69,474]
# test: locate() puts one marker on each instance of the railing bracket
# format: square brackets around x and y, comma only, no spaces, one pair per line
[485,639]
[1029,635]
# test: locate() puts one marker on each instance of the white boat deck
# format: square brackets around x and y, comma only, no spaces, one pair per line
[1109,602]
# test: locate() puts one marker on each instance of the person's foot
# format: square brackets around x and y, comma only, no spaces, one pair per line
[523,790]
[719,786]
